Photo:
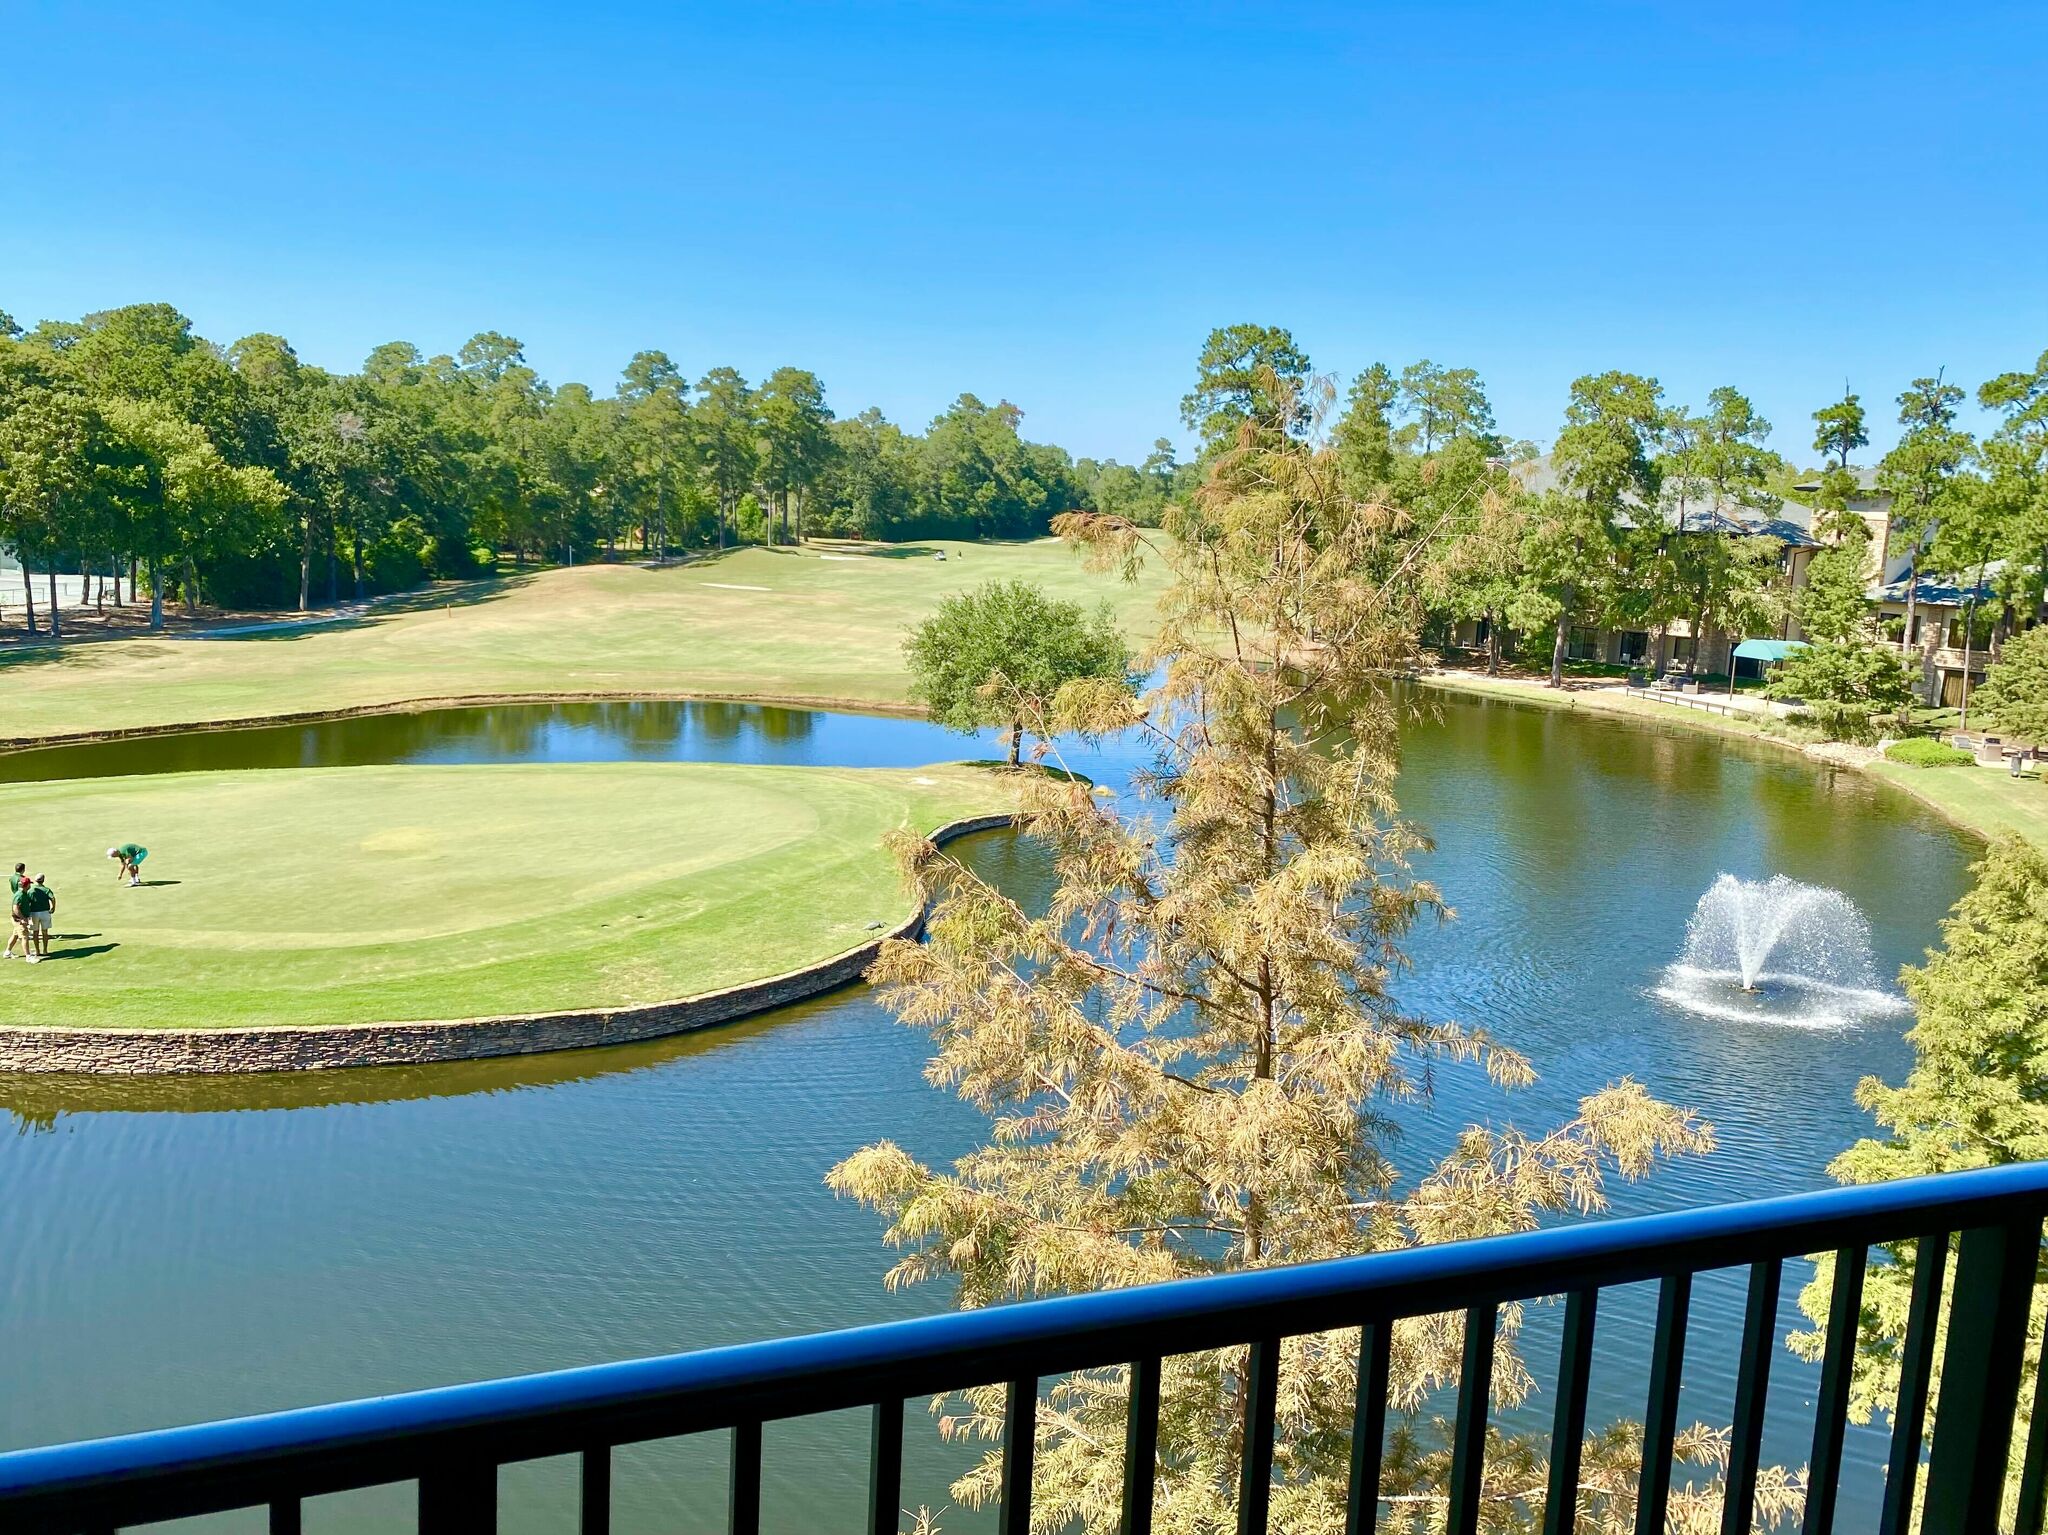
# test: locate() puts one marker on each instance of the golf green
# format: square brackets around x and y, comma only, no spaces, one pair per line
[350,895]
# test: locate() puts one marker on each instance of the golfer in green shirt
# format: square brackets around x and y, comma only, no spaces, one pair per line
[42,913]
[17,930]
[23,907]
[131,855]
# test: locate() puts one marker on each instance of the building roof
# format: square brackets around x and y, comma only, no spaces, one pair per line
[1764,515]
[1866,480]
[1933,591]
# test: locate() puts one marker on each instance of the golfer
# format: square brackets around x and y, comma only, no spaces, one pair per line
[131,855]
[23,908]
[16,933]
[42,913]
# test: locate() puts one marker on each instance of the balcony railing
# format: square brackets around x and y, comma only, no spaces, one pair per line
[452,1441]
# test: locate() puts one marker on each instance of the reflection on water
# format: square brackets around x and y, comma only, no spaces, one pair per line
[626,731]
[184,1249]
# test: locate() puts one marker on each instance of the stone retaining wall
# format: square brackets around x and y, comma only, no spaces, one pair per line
[184,1052]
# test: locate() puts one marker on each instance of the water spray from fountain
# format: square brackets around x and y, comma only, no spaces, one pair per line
[1778,951]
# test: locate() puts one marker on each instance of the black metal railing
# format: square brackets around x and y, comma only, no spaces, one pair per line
[453,1441]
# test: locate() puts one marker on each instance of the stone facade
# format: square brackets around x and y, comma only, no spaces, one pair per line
[184,1052]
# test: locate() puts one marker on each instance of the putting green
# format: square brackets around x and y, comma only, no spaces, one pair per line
[350,895]
[817,625]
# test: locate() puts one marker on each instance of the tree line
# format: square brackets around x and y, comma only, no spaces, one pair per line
[1648,514]
[136,451]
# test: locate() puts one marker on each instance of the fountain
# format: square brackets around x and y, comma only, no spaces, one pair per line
[1778,951]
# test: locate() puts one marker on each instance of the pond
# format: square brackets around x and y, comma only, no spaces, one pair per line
[178,1250]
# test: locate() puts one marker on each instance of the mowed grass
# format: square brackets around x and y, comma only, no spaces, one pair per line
[811,625]
[1986,800]
[348,895]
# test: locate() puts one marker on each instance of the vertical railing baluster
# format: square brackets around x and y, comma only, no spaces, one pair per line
[460,1500]
[1916,1374]
[1255,1470]
[1368,1428]
[2034,1470]
[1475,1407]
[1980,1375]
[1568,1423]
[1660,1418]
[885,1468]
[744,1489]
[1141,1447]
[1752,1383]
[1020,1443]
[1831,1406]
[285,1518]
[594,1495]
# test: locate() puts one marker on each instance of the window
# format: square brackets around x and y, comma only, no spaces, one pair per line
[1633,645]
[1583,644]
[1980,628]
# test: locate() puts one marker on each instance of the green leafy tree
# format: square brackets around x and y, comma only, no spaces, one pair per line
[1976,1096]
[1604,461]
[981,477]
[726,422]
[2014,696]
[181,497]
[1920,473]
[1161,467]
[1835,603]
[871,481]
[45,480]
[1246,375]
[1713,468]
[1193,1055]
[658,461]
[795,439]
[1364,434]
[1843,684]
[1441,404]
[1733,458]
[1838,431]
[1980,524]
[1482,572]
[997,655]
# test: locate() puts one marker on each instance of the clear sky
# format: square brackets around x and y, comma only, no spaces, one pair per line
[1053,203]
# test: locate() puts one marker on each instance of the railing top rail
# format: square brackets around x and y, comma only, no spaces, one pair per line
[554,1413]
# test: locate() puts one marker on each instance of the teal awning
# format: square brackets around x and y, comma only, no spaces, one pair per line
[1767,650]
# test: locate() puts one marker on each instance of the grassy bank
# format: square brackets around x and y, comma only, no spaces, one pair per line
[1986,800]
[815,625]
[343,895]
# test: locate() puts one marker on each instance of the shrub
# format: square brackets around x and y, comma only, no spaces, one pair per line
[1924,752]
[1848,722]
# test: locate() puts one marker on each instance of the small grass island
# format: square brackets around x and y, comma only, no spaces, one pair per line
[340,896]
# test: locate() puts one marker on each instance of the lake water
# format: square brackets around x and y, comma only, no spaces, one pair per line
[179,1250]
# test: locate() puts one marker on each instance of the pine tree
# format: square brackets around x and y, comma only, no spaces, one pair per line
[1977,1096]
[2014,696]
[1193,1057]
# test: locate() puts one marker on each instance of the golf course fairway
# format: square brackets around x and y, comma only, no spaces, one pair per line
[355,895]
[819,625]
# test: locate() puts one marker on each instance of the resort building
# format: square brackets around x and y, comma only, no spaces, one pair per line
[1939,601]
[1702,514]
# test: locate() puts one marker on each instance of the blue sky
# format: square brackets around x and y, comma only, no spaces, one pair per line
[1053,203]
